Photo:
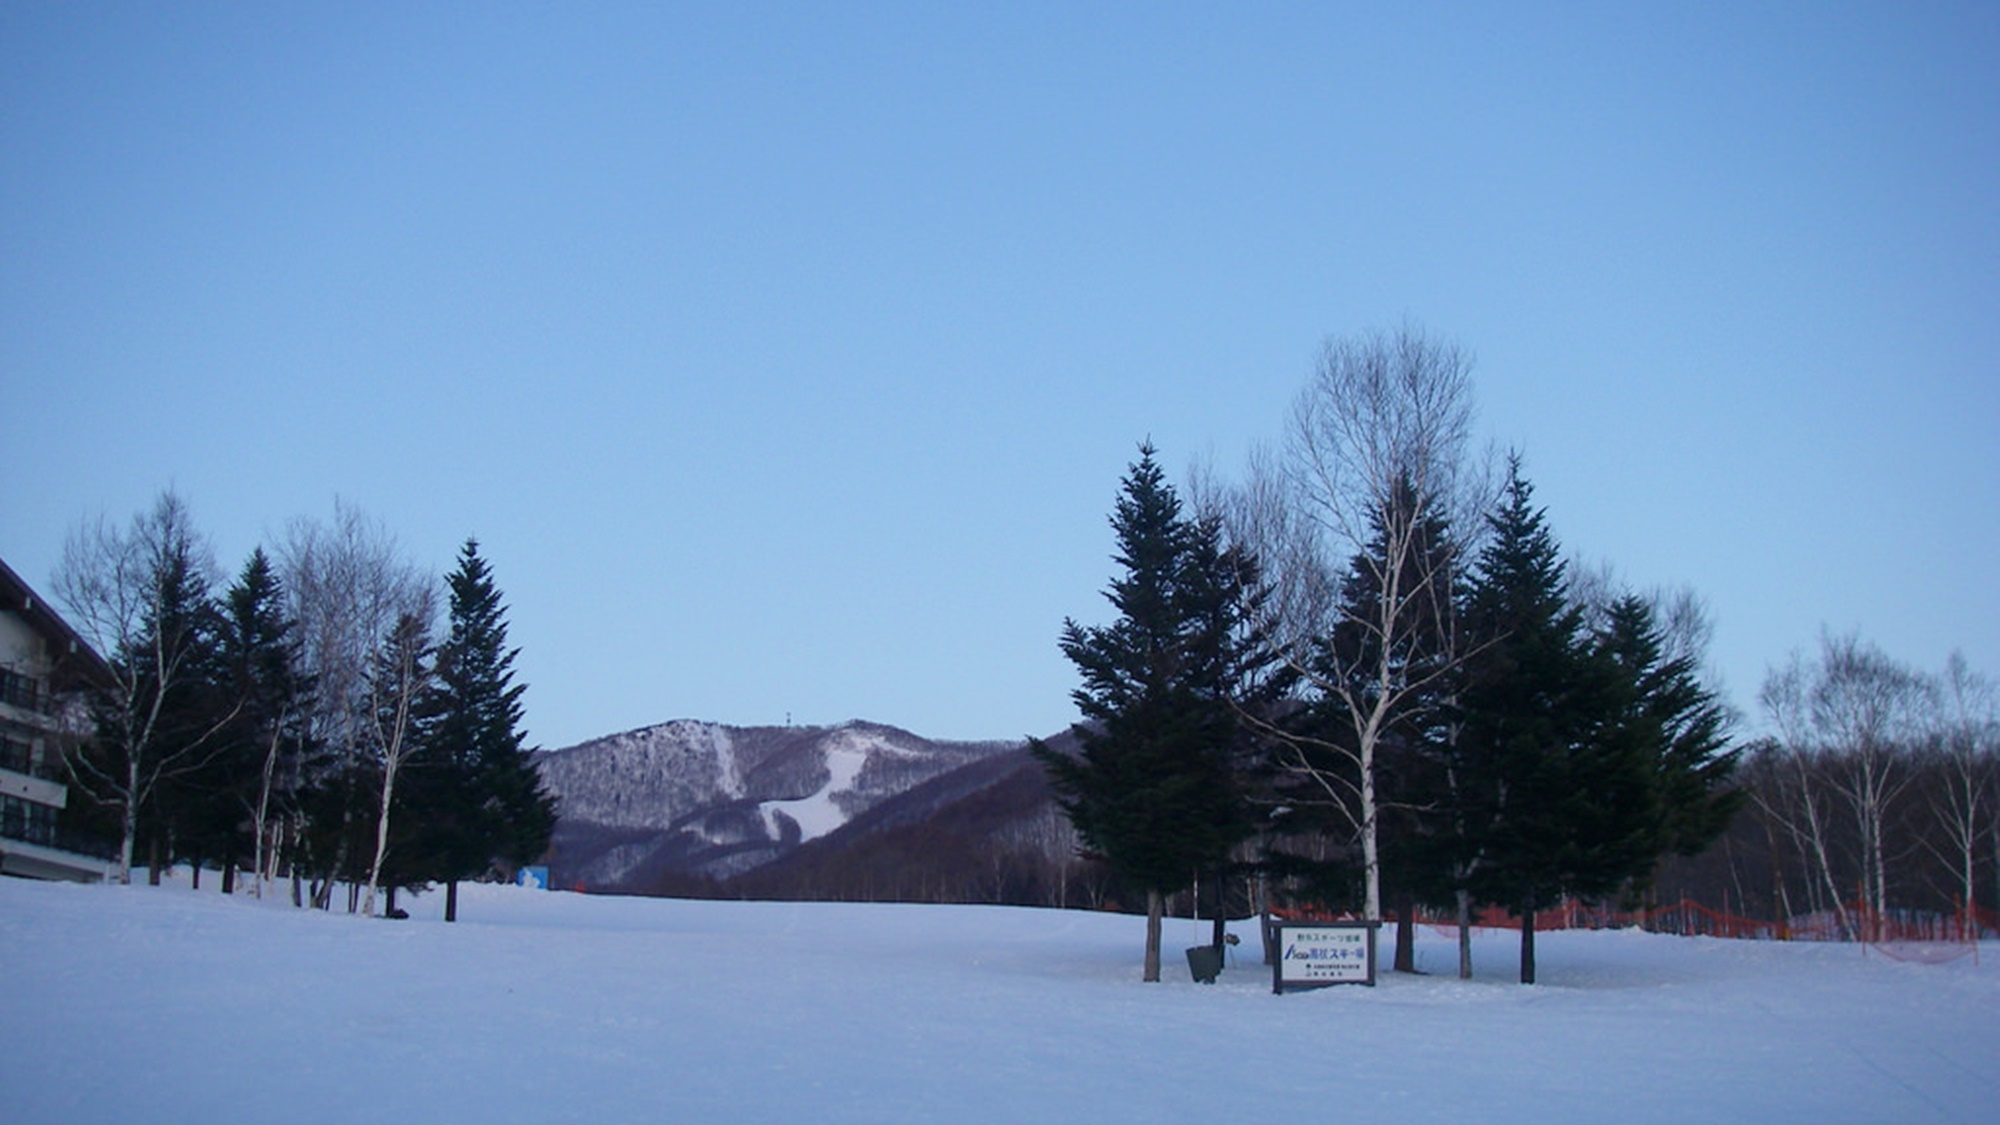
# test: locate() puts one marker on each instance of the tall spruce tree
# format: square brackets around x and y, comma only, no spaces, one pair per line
[482,798]
[1239,672]
[258,766]
[1153,790]
[1678,728]
[1560,799]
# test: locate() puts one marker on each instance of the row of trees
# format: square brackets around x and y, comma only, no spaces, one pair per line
[1363,674]
[1877,792]
[305,721]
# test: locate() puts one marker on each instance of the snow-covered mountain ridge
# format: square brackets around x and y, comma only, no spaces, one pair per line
[707,800]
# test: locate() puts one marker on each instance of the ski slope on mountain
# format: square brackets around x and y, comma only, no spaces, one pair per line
[818,814]
[696,801]
[131,1004]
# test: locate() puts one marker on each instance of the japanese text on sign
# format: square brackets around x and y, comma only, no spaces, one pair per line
[1314,955]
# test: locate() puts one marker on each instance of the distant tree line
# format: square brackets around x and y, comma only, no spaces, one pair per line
[304,723]
[1878,794]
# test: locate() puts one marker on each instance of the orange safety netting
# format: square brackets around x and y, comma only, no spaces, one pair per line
[1905,934]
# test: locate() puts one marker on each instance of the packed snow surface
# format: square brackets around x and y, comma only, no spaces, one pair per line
[137,1004]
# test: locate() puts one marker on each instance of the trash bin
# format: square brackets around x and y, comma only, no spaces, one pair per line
[1205,962]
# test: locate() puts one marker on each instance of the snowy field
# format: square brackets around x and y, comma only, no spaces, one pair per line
[153,1005]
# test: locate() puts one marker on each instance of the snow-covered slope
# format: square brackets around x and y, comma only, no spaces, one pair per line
[124,1005]
[705,800]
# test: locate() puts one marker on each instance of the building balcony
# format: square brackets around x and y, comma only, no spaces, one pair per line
[61,859]
[36,791]
[32,844]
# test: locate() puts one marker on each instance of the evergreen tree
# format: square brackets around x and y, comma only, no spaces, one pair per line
[262,648]
[1559,797]
[483,801]
[1679,728]
[1412,678]
[192,711]
[1238,671]
[399,685]
[252,778]
[142,597]
[1383,671]
[1153,790]
[1374,456]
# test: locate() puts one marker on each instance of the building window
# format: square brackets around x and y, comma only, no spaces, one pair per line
[27,821]
[24,692]
[16,754]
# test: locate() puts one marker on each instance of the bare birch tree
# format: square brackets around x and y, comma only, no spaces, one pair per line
[397,680]
[1795,800]
[140,596]
[1851,718]
[1375,457]
[350,588]
[1964,746]
[1867,708]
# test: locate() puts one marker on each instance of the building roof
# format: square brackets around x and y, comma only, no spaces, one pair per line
[76,661]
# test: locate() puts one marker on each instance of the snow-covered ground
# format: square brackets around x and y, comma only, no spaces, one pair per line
[138,1004]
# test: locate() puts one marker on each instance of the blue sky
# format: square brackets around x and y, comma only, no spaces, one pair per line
[785,359]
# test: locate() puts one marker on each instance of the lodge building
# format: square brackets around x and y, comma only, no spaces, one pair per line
[43,663]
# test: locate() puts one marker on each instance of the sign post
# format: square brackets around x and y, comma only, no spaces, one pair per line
[1318,954]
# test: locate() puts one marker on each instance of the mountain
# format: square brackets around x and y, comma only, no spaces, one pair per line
[988,831]
[690,807]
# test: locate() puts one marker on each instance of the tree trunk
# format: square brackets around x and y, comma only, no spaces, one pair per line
[1156,908]
[1265,936]
[128,828]
[124,872]
[1818,852]
[1995,825]
[263,814]
[1528,944]
[451,900]
[381,836]
[1406,932]
[1218,920]
[1781,897]
[1371,850]
[1464,934]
